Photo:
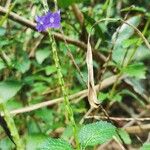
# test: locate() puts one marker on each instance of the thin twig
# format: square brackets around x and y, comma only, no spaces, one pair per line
[117,118]
[138,129]
[71,57]
[8,2]
[118,142]
[32,52]
[134,120]
[86,115]
[105,83]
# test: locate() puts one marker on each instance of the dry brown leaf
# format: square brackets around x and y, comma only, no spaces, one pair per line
[92,96]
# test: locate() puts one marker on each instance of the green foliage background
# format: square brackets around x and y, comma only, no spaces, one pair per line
[28,74]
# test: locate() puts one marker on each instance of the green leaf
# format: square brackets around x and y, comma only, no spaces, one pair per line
[137,70]
[43,142]
[2,65]
[124,135]
[142,53]
[96,133]
[4,42]
[13,104]
[146,146]
[97,27]
[137,85]
[118,55]
[67,134]
[66,3]
[32,127]
[125,33]
[102,96]
[117,97]
[6,144]
[41,113]
[2,31]
[129,93]
[8,89]
[50,69]
[41,55]
[129,42]
[23,65]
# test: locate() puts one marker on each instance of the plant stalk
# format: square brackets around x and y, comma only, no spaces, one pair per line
[12,127]
[70,115]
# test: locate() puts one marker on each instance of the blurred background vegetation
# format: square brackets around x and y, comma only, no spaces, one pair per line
[28,74]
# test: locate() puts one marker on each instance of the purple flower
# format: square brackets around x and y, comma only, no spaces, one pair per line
[49,20]
[54,19]
[40,23]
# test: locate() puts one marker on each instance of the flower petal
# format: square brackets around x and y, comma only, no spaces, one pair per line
[49,20]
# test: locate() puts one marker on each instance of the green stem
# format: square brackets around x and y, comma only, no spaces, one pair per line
[70,115]
[115,85]
[12,127]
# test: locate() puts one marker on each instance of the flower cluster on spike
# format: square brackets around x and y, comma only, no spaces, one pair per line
[49,20]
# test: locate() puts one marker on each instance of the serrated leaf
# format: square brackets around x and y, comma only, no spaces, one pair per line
[43,142]
[41,55]
[137,70]
[146,146]
[8,89]
[96,133]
